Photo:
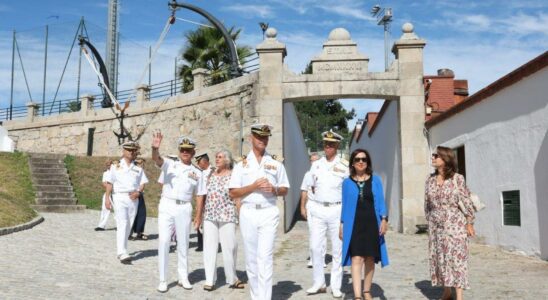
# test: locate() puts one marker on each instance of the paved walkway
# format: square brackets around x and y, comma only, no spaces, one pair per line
[63,258]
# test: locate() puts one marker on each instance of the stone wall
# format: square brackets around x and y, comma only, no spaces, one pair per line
[213,116]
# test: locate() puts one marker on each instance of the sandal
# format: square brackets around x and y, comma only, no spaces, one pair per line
[143,237]
[208,288]
[367,292]
[237,285]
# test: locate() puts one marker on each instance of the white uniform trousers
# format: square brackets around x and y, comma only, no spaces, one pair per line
[105,213]
[225,232]
[258,227]
[325,220]
[169,214]
[324,247]
[125,210]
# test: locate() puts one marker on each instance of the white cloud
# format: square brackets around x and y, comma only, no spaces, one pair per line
[252,11]
[523,24]
[352,11]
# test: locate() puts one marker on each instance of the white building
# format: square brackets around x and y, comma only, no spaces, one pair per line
[500,137]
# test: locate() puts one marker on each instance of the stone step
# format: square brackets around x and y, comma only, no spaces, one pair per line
[47,166]
[50,181]
[49,171]
[60,208]
[47,155]
[33,161]
[59,176]
[53,187]
[53,194]
[41,201]
[60,199]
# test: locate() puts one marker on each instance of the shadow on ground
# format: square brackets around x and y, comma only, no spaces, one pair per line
[429,291]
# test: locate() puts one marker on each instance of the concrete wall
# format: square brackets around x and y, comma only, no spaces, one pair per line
[296,161]
[506,148]
[212,116]
[383,145]
[6,144]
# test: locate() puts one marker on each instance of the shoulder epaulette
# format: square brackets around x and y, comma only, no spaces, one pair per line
[278,158]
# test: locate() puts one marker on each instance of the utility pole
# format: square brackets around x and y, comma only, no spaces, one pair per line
[43,107]
[12,73]
[384,17]
[112,45]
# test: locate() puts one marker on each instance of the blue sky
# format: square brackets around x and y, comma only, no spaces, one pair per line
[479,40]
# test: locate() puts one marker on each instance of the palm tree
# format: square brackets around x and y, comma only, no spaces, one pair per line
[206,48]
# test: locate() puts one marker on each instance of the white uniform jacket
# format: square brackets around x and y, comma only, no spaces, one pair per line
[249,170]
[180,181]
[125,178]
[327,178]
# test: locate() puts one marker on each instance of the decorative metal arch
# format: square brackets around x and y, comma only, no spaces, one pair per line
[235,70]
[106,102]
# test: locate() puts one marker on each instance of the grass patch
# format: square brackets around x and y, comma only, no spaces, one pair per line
[86,173]
[16,190]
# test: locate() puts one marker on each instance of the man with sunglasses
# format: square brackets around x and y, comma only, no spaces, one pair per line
[328,174]
[259,179]
[181,182]
[125,182]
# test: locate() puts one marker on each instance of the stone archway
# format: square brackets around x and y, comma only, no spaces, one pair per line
[340,71]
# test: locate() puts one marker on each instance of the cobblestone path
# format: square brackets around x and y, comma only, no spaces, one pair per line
[63,258]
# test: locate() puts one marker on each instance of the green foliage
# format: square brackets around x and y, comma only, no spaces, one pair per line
[86,173]
[74,106]
[16,190]
[206,48]
[318,116]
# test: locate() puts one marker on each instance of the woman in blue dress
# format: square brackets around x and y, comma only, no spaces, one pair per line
[364,221]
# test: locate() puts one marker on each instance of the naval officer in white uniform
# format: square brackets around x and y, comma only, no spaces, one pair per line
[328,174]
[125,183]
[181,182]
[258,180]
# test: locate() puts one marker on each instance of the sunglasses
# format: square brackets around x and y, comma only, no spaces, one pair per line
[360,159]
[435,155]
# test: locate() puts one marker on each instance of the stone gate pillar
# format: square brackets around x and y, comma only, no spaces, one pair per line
[269,98]
[414,147]
[269,102]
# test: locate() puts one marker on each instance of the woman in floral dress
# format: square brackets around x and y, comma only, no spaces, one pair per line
[448,225]
[220,219]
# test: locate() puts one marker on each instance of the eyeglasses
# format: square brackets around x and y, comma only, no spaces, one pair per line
[435,155]
[362,159]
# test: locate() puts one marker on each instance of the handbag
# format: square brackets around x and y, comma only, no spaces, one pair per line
[474,198]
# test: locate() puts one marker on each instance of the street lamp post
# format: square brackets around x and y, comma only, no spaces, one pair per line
[384,17]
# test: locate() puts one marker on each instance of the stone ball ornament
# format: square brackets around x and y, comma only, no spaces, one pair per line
[339,34]
[271,33]
[407,27]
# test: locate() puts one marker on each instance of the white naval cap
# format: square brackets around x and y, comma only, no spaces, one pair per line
[330,136]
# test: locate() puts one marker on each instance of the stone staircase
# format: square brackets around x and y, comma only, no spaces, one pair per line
[52,184]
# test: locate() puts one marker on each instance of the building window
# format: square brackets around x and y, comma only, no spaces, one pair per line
[461,160]
[510,208]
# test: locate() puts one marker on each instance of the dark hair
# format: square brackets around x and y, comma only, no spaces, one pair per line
[448,157]
[368,169]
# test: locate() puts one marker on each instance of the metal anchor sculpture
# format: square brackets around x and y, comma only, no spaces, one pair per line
[124,133]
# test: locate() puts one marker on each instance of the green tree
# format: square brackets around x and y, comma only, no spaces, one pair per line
[318,116]
[74,106]
[206,48]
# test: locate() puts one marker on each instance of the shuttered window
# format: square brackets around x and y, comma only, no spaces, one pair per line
[510,206]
